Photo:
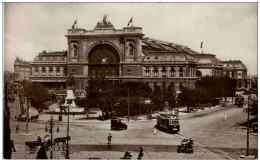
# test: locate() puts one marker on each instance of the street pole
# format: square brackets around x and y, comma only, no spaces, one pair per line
[247,142]
[51,135]
[128,103]
[67,150]
[27,114]
[60,116]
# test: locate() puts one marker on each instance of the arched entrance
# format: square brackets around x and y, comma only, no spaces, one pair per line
[103,61]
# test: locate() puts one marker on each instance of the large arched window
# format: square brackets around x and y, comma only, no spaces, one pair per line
[155,71]
[181,72]
[172,72]
[164,71]
[36,71]
[51,71]
[147,72]
[43,71]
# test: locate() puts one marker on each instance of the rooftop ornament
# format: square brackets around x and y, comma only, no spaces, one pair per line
[104,24]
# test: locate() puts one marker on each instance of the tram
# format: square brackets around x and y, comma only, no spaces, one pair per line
[168,123]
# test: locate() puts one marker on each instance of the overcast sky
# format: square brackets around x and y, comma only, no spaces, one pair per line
[228,30]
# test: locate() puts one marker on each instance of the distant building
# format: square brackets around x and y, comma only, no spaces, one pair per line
[236,69]
[50,69]
[22,70]
[208,65]
[254,81]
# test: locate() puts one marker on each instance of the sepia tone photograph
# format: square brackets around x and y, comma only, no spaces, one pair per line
[130,80]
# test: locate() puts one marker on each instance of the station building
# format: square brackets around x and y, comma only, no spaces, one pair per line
[121,55]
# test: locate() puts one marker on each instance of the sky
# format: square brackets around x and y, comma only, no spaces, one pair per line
[228,30]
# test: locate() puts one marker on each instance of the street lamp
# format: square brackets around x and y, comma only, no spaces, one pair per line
[247,142]
[59,100]
[51,122]
[69,99]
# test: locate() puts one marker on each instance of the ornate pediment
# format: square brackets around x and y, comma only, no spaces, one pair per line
[104,24]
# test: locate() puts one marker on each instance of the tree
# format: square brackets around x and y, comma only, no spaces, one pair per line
[36,94]
[158,98]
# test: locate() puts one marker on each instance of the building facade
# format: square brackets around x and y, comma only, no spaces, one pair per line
[236,69]
[208,65]
[22,70]
[121,55]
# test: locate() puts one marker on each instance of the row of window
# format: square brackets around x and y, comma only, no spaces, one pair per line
[164,72]
[172,84]
[51,71]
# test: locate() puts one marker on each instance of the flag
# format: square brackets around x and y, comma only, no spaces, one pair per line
[201,44]
[131,20]
[74,24]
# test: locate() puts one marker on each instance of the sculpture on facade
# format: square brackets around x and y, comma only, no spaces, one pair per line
[74,50]
[104,23]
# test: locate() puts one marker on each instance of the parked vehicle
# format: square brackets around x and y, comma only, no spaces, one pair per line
[239,101]
[116,124]
[186,146]
[255,127]
[168,123]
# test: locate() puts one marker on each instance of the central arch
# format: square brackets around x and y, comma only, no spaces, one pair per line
[103,61]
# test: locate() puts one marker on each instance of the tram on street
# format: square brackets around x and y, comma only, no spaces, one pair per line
[168,123]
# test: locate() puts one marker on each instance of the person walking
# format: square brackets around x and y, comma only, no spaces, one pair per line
[109,138]
[154,131]
[42,153]
[39,139]
[16,128]
[225,117]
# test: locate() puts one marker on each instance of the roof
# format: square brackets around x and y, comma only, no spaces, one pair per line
[233,64]
[168,56]
[51,56]
[149,44]
[207,59]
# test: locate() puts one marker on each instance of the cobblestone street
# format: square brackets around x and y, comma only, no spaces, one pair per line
[89,137]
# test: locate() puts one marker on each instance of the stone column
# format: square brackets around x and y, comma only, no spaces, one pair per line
[40,71]
[177,71]
[47,71]
[160,71]
[54,71]
[61,71]
[33,71]
[120,70]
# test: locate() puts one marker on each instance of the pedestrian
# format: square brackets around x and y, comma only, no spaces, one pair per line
[225,117]
[16,128]
[140,155]
[154,131]
[39,139]
[109,137]
[42,153]
[12,146]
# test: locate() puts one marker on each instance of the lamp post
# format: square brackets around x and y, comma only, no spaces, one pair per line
[70,97]
[51,122]
[128,103]
[59,98]
[247,139]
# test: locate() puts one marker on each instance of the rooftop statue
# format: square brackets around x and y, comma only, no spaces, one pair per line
[104,23]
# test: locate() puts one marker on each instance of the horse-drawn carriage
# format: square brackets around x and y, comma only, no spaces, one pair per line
[186,146]
[33,145]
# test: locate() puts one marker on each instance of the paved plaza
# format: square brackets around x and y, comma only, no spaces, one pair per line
[213,137]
